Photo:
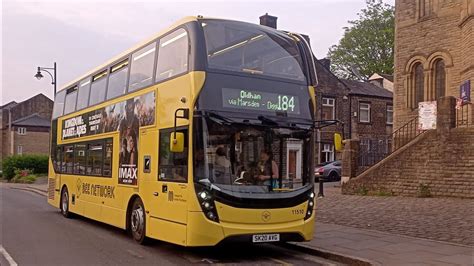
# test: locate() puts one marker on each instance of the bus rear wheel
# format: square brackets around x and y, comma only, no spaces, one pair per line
[64,205]
[137,221]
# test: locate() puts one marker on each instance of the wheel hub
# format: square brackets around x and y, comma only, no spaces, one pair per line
[137,220]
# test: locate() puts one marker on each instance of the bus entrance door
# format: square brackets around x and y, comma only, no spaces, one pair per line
[169,211]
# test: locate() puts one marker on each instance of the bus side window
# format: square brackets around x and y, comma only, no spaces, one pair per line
[108,158]
[173,166]
[141,71]
[172,55]
[94,159]
[68,159]
[80,159]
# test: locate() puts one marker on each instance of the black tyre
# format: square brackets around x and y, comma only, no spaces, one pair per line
[137,224]
[333,176]
[64,204]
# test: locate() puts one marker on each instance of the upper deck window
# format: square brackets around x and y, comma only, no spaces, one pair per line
[172,55]
[70,103]
[117,80]
[141,72]
[97,93]
[242,47]
[59,104]
[83,95]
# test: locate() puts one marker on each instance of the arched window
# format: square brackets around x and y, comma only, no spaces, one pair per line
[439,78]
[419,80]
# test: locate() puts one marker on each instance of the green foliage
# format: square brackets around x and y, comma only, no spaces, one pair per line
[37,164]
[368,44]
[384,193]
[24,176]
[424,191]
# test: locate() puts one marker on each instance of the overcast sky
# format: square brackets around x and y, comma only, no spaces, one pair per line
[80,35]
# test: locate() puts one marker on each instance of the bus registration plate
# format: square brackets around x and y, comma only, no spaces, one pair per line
[266,238]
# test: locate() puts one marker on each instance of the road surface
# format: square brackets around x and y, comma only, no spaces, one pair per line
[35,233]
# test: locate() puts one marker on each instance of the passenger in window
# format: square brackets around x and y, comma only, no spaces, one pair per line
[266,167]
[222,166]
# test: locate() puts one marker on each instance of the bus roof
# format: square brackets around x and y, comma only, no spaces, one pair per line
[125,53]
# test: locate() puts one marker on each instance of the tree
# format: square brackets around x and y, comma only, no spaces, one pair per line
[368,44]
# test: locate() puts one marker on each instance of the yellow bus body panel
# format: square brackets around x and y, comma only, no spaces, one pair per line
[180,221]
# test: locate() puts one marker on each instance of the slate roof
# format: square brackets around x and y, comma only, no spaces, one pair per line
[32,120]
[366,88]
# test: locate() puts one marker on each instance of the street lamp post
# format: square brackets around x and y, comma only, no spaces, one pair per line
[53,76]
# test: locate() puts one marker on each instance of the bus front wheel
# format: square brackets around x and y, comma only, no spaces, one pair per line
[137,221]
[64,206]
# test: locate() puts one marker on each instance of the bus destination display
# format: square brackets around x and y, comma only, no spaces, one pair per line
[258,100]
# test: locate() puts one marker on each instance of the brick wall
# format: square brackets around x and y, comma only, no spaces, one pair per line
[441,165]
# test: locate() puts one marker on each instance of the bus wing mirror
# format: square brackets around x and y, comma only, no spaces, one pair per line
[177,138]
[177,142]
[337,141]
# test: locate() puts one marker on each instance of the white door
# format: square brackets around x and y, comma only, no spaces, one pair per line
[294,153]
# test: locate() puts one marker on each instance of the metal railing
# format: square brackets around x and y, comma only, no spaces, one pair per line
[464,116]
[375,153]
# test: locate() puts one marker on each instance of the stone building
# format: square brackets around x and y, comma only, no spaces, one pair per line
[433,52]
[28,131]
[434,61]
[365,109]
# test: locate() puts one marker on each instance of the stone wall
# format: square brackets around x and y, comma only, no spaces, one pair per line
[436,164]
[33,142]
[446,32]
[439,162]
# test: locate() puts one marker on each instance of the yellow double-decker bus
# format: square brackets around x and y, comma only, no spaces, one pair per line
[202,134]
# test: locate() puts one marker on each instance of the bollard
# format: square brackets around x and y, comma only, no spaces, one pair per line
[321,188]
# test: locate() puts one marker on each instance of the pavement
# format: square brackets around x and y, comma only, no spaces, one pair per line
[380,230]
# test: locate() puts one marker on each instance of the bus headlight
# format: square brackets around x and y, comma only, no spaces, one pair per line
[207,205]
[309,210]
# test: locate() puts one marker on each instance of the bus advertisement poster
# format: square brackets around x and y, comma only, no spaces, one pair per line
[125,117]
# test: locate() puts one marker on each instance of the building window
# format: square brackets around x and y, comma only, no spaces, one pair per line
[327,154]
[19,150]
[22,131]
[390,114]
[419,79]
[439,78]
[329,109]
[364,112]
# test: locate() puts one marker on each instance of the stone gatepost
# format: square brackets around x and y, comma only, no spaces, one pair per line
[446,114]
[350,161]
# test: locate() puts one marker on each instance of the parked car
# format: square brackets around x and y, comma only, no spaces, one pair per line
[329,171]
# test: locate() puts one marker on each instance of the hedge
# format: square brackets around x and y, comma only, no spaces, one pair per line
[37,163]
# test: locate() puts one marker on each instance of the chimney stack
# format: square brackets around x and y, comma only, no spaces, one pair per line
[269,21]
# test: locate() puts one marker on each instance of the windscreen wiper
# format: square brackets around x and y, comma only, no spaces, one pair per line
[268,121]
